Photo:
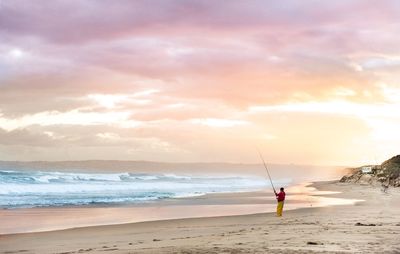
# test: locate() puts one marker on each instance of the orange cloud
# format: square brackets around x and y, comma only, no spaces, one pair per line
[186,80]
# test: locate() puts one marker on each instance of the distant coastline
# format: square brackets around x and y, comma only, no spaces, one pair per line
[108,166]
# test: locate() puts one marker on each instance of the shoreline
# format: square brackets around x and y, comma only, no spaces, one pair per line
[47,219]
[330,229]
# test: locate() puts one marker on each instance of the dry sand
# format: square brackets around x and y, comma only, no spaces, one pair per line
[311,230]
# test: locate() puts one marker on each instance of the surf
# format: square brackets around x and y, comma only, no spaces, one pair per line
[25,189]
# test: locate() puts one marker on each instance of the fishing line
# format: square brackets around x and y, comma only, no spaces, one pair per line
[266,168]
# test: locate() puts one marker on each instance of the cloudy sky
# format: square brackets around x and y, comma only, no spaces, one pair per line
[310,82]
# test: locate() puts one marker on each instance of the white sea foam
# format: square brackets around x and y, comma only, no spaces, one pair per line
[36,188]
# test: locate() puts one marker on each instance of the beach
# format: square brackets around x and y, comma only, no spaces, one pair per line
[190,126]
[368,226]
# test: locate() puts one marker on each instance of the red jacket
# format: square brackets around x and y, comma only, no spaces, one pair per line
[280,196]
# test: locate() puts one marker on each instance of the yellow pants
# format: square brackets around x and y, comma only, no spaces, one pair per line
[279,208]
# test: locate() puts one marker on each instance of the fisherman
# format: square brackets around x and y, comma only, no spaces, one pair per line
[280,197]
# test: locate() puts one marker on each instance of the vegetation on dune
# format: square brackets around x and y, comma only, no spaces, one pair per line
[386,174]
[391,168]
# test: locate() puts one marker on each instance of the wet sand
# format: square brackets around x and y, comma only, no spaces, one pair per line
[41,219]
[371,226]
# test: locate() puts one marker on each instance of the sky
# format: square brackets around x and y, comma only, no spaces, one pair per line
[307,82]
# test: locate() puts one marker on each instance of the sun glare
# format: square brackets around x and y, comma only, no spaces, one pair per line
[16,53]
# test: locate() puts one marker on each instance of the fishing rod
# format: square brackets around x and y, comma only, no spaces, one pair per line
[266,168]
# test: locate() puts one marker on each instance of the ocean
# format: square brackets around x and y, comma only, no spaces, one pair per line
[28,189]
[44,196]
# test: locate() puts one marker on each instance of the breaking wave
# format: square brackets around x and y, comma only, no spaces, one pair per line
[36,188]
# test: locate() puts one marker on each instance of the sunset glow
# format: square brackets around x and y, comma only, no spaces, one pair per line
[307,82]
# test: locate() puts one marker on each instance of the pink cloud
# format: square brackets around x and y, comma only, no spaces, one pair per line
[212,60]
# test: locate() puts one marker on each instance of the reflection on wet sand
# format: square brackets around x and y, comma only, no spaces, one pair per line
[46,219]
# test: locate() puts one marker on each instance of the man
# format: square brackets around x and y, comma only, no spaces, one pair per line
[281,199]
